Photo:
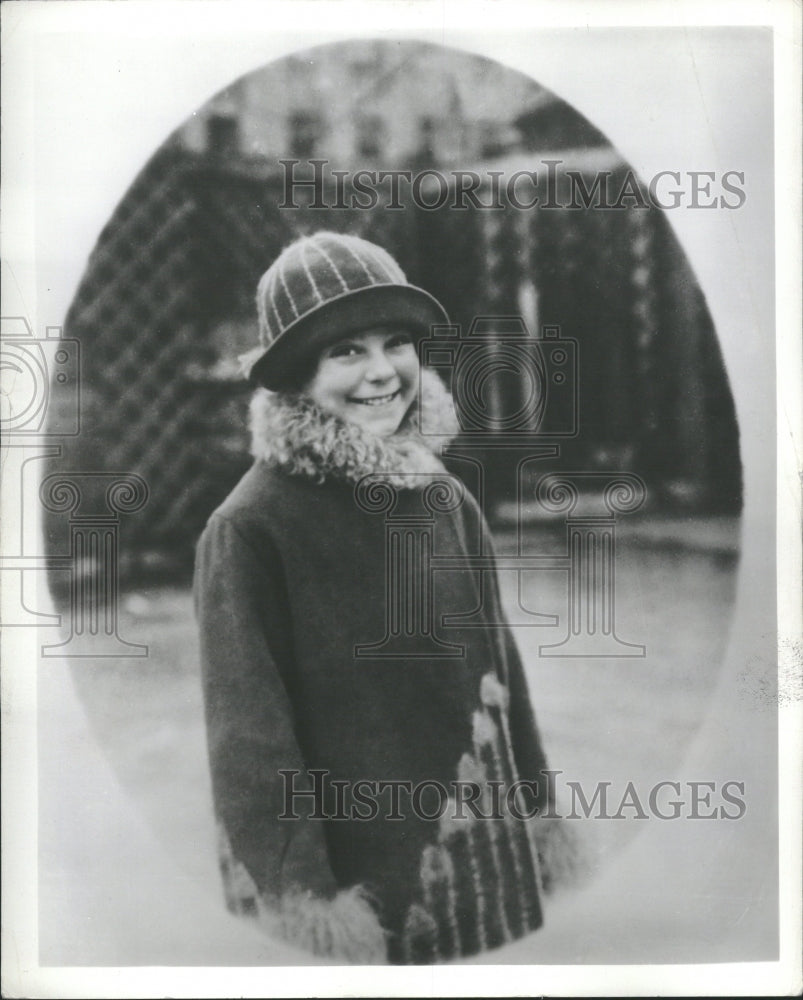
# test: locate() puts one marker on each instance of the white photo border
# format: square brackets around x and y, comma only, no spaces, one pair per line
[73,71]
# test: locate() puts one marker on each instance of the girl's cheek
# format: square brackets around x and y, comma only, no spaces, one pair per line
[409,365]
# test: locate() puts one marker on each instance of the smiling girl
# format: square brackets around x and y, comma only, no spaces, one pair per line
[362,799]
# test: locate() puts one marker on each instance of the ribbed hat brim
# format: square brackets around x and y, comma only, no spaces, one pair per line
[406,306]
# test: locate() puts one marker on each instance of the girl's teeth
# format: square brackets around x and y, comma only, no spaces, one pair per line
[377,400]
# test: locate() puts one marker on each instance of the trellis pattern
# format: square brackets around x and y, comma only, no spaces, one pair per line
[166,304]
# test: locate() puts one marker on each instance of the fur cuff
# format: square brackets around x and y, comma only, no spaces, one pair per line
[565,851]
[345,928]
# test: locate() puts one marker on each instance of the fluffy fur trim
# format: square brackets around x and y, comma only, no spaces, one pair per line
[290,431]
[565,852]
[345,928]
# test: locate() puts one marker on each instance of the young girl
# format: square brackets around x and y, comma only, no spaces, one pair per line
[363,748]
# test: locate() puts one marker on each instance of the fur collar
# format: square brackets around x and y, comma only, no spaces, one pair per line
[289,431]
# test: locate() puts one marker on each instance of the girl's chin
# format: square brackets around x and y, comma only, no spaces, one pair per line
[380,425]
[380,420]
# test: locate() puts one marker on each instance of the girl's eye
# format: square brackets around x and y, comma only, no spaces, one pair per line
[343,350]
[399,340]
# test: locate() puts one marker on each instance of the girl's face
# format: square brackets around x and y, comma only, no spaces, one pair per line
[369,378]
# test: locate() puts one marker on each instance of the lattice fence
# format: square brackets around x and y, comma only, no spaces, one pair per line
[166,305]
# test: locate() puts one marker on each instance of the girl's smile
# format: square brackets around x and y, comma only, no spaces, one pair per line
[377,400]
[369,378]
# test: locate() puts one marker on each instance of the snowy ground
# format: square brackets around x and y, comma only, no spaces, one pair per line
[615,720]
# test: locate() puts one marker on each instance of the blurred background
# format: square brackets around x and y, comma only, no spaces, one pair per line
[166,305]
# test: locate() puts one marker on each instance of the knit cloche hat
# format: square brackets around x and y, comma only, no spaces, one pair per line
[323,287]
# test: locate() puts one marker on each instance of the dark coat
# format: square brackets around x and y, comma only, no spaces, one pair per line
[291,587]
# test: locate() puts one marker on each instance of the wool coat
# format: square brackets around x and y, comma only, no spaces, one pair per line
[348,652]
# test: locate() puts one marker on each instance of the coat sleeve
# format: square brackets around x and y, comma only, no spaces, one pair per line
[281,864]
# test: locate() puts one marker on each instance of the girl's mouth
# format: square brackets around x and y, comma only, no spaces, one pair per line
[376,400]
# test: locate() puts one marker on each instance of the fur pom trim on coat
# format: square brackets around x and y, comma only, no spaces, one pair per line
[290,431]
[567,853]
[344,928]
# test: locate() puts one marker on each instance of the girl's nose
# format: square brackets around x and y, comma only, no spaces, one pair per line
[379,368]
